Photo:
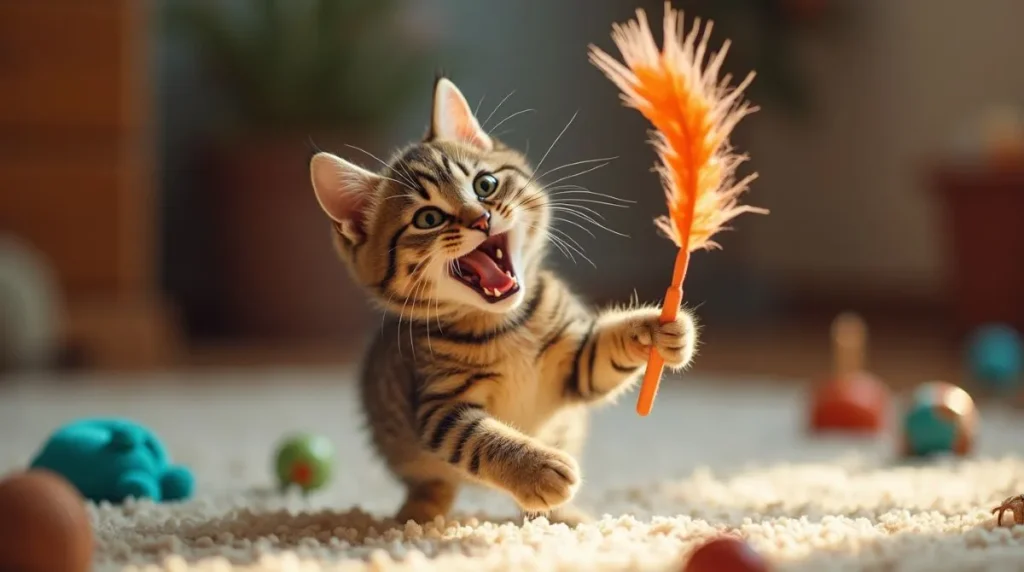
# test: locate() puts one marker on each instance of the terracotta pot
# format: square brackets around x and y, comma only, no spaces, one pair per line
[278,276]
[984,239]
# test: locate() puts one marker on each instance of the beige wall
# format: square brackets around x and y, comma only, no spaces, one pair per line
[849,194]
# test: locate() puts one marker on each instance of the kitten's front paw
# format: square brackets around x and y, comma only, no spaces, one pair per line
[544,479]
[675,341]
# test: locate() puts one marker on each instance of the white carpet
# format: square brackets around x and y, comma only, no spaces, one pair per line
[706,460]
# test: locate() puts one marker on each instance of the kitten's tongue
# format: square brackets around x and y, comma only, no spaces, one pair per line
[491,276]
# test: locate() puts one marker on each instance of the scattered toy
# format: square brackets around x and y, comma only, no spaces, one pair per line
[725,554]
[941,418]
[112,459]
[1014,505]
[44,526]
[853,400]
[995,355]
[305,461]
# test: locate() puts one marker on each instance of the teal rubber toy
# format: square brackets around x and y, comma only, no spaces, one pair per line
[940,419]
[113,459]
[995,355]
[305,461]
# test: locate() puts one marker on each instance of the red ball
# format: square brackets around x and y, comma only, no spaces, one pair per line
[725,554]
[855,404]
[44,526]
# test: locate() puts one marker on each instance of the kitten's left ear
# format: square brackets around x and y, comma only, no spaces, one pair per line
[344,191]
[453,120]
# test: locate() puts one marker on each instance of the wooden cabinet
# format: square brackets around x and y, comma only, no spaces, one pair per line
[77,168]
[983,241]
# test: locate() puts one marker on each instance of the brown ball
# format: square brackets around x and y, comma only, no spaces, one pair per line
[43,524]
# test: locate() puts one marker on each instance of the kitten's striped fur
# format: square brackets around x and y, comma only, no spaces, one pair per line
[461,386]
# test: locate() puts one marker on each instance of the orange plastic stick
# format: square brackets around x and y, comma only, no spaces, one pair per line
[669,311]
[693,112]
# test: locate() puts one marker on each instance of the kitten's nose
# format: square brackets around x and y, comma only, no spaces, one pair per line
[475,221]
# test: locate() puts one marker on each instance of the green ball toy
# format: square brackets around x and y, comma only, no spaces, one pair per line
[305,461]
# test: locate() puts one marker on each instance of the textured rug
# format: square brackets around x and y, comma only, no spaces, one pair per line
[708,460]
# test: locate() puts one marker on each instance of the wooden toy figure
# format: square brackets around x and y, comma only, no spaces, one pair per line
[941,418]
[693,112]
[853,400]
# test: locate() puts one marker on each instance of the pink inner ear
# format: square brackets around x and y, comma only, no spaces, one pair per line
[357,213]
[344,205]
[467,133]
[457,121]
[342,190]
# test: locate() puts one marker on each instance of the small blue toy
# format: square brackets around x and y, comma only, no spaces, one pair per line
[995,355]
[112,459]
[940,419]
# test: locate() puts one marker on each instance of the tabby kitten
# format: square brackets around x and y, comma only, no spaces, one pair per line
[487,362]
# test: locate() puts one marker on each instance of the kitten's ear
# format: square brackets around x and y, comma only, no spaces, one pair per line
[343,191]
[452,118]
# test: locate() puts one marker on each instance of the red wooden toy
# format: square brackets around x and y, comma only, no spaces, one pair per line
[853,400]
[725,554]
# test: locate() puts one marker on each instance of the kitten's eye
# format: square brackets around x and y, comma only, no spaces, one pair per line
[485,185]
[428,217]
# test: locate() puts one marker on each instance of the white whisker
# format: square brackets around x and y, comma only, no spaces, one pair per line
[407,184]
[516,114]
[496,108]
[606,160]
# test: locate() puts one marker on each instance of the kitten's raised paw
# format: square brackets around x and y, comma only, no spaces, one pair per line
[544,479]
[674,340]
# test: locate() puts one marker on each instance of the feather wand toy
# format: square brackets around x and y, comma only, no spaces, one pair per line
[693,113]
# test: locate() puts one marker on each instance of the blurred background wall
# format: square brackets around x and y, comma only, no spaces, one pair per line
[877,115]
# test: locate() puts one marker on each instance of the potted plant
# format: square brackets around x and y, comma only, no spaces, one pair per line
[290,73]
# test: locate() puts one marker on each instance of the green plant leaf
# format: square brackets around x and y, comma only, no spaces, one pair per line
[302,64]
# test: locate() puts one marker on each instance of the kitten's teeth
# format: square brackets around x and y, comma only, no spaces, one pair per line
[489,293]
[499,254]
[509,274]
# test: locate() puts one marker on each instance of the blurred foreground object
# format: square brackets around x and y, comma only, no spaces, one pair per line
[853,400]
[725,554]
[940,419]
[44,526]
[29,308]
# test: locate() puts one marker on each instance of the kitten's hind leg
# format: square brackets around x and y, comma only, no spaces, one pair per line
[426,500]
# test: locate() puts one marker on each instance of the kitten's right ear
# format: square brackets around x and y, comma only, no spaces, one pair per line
[344,191]
[452,118]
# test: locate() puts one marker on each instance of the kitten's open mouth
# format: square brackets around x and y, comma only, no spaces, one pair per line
[488,269]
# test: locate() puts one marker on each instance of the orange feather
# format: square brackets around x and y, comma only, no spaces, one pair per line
[693,113]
